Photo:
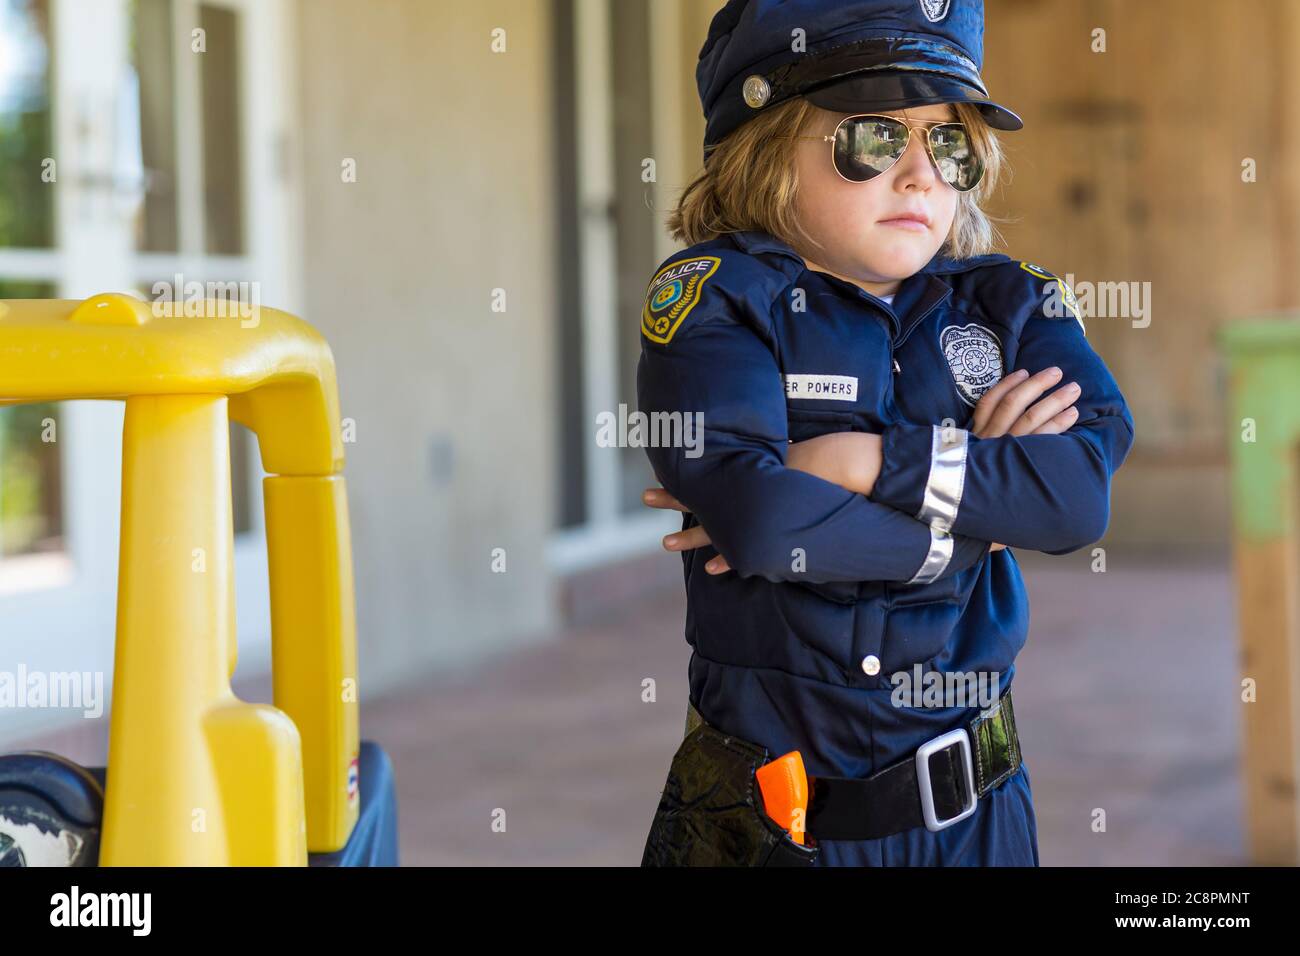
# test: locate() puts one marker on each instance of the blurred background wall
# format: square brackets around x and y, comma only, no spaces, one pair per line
[1130,168]
[433,276]
[467,199]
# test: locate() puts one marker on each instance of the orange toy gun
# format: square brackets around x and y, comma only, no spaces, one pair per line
[783,783]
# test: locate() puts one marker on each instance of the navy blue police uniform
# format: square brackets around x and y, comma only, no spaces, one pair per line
[832,594]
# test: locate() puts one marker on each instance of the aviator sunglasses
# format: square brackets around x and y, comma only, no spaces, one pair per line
[868,144]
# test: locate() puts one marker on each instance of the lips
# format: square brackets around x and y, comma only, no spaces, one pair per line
[916,217]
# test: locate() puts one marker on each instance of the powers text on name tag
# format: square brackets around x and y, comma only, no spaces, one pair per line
[834,388]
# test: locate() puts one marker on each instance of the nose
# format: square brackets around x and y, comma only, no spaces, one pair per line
[914,167]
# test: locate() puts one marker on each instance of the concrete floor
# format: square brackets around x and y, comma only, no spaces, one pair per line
[1126,696]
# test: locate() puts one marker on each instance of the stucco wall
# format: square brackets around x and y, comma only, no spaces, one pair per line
[451,399]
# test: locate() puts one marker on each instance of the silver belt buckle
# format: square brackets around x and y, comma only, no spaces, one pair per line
[923,755]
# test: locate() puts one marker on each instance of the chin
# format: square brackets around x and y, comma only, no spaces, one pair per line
[900,260]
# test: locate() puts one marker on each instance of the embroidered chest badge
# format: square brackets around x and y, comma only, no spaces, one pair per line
[672,295]
[974,357]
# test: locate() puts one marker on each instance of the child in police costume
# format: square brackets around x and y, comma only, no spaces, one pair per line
[888,409]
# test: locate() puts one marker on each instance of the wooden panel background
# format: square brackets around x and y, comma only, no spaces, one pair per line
[1130,169]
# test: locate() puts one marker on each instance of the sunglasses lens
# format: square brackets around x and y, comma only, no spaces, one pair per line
[954,154]
[867,147]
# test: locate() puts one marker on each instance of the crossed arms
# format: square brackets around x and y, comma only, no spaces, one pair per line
[912,504]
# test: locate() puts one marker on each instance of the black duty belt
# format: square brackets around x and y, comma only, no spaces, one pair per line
[936,787]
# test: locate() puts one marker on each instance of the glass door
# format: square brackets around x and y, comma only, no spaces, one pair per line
[133,157]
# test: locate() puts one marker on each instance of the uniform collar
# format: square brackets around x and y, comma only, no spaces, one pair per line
[942,265]
[916,295]
[756,242]
[919,290]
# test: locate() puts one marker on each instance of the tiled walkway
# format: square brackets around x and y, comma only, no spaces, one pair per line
[1126,696]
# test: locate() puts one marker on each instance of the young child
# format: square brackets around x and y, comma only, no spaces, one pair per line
[887,409]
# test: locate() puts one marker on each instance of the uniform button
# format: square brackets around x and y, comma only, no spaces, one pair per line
[756,91]
[871,664]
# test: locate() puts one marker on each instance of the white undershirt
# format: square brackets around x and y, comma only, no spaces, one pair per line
[889,299]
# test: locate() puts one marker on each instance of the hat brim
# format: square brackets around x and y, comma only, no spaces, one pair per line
[895,90]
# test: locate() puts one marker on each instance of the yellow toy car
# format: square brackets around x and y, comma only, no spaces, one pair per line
[195,775]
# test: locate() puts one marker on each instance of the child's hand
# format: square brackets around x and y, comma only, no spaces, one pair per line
[1005,408]
[689,539]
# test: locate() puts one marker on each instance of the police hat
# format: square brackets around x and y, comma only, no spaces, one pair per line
[848,57]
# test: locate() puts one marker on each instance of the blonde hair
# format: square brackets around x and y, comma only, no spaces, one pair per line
[749,183]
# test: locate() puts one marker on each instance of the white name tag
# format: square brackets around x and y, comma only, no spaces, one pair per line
[833,388]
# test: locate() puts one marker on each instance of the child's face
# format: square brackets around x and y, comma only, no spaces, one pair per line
[850,220]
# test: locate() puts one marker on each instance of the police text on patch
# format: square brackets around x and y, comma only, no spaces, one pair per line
[673,293]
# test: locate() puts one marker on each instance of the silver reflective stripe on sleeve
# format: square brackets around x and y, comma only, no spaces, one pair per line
[936,559]
[947,477]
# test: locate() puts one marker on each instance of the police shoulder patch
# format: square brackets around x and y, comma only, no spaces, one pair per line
[1060,299]
[673,292]
[1036,270]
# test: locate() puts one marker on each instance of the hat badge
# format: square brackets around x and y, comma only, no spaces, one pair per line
[934,10]
[757,91]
